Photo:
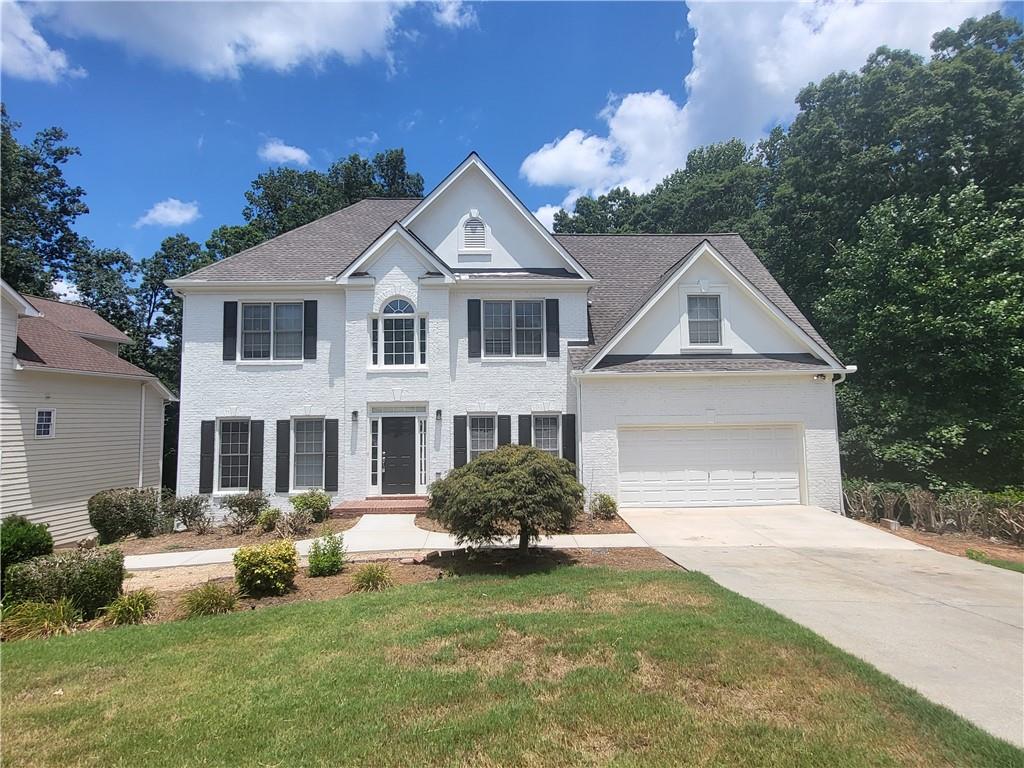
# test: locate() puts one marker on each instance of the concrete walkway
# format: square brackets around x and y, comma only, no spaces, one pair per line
[382,533]
[951,628]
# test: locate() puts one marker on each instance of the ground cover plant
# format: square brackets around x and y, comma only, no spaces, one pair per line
[571,666]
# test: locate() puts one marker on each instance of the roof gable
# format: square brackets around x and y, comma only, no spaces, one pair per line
[516,239]
[396,233]
[77,319]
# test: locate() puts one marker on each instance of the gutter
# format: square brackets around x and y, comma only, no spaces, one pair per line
[153,380]
[671,374]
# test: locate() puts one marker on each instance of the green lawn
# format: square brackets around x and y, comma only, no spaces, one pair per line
[981,557]
[578,666]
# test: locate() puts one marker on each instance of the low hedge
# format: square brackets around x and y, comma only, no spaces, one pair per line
[267,569]
[121,512]
[90,578]
[21,540]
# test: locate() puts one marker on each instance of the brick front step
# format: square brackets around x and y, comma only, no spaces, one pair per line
[409,505]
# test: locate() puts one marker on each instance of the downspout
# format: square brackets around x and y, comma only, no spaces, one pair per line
[142,429]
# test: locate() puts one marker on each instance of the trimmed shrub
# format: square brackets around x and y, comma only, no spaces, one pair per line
[193,513]
[37,619]
[373,577]
[294,524]
[327,555]
[90,578]
[21,540]
[604,507]
[514,490]
[267,569]
[268,519]
[315,501]
[131,608]
[208,600]
[244,509]
[121,512]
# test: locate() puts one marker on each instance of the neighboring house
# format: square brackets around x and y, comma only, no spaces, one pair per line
[372,350]
[75,417]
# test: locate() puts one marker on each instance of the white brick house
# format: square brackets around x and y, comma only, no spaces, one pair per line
[372,350]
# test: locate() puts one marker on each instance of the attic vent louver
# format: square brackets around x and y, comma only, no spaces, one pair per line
[473,235]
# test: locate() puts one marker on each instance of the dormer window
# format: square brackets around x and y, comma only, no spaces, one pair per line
[474,233]
[704,313]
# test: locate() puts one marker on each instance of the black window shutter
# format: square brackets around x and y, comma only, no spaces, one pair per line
[206,435]
[230,330]
[309,330]
[460,441]
[255,455]
[331,455]
[569,437]
[551,325]
[473,305]
[504,430]
[525,429]
[284,449]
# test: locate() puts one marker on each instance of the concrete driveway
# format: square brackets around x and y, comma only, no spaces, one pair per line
[951,628]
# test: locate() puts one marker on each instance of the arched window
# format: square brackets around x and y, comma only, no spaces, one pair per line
[398,333]
[398,307]
[474,235]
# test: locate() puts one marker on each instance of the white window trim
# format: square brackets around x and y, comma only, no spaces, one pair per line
[293,488]
[272,359]
[704,288]
[515,356]
[53,424]
[493,416]
[216,455]
[533,428]
[417,318]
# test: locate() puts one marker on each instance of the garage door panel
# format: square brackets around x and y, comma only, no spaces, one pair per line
[709,466]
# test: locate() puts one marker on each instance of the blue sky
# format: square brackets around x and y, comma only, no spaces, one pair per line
[560,99]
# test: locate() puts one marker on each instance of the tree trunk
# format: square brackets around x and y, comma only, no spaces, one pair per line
[524,537]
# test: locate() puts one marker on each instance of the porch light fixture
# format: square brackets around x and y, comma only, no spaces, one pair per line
[819,377]
[355,415]
[437,415]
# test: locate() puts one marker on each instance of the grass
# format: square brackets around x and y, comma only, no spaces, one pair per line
[578,666]
[981,557]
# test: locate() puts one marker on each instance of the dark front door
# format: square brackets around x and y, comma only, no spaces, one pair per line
[398,446]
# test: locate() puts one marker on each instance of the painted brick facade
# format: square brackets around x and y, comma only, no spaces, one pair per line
[609,404]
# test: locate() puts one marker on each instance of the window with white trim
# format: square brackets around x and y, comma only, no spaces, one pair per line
[45,422]
[483,435]
[234,454]
[513,328]
[272,331]
[309,453]
[398,337]
[704,317]
[546,434]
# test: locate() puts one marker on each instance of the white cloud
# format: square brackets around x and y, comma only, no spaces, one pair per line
[749,62]
[454,14]
[276,151]
[171,212]
[367,141]
[221,39]
[66,290]
[546,216]
[26,54]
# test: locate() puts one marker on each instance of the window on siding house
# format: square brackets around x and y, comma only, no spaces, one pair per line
[272,331]
[309,453]
[234,454]
[44,422]
[545,434]
[482,435]
[513,328]
[474,234]
[704,317]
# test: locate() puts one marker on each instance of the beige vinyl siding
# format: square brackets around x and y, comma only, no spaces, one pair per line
[95,444]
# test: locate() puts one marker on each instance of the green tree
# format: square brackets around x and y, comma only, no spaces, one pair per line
[611,213]
[516,490]
[105,279]
[229,239]
[38,208]
[929,302]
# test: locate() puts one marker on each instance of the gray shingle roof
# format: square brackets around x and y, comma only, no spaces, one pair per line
[710,363]
[77,318]
[316,250]
[44,344]
[630,268]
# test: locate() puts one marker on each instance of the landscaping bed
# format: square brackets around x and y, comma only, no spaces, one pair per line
[220,538]
[559,666]
[956,543]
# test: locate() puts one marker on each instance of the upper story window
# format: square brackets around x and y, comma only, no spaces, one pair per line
[45,418]
[272,330]
[398,337]
[513,328]
[704,317]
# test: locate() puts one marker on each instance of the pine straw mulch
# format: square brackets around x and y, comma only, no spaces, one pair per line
[957,543]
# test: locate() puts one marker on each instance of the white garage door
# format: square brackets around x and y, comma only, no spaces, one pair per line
[709,466]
